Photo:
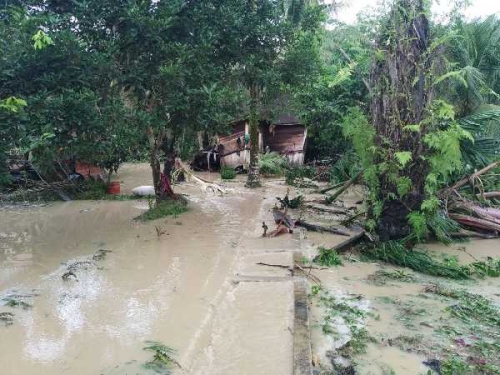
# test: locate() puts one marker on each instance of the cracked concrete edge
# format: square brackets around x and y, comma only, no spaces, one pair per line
[302,353]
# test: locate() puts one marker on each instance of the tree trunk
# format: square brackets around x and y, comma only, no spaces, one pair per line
[253,180]
[400,98]
[162,187]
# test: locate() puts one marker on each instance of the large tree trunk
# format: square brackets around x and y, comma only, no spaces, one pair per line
[161,181]
[253,180]
[400,98]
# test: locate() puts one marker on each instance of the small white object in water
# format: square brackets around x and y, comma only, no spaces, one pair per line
[143,191]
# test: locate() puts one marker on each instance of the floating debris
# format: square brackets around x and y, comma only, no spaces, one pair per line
[7,318]
[101,254]
[81,265]
[67,276]
[11,302]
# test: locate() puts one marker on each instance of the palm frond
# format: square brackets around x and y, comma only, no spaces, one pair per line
[484,127]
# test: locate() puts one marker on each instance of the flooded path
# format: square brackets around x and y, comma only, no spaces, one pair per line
[196,288]
[93,286]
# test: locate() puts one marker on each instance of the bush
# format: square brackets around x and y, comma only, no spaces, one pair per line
[227,173]
[295,173]
[273,164]
[328,258]
[169,207]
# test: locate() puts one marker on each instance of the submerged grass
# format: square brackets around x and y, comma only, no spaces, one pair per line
[328,258]
[395,253]
[170,207]
[476,334]
[340,312]
[163,360]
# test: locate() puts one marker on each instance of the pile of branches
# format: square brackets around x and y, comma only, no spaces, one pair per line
[476,208]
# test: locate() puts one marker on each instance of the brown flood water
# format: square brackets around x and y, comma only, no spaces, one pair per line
[197,288]
[397,309]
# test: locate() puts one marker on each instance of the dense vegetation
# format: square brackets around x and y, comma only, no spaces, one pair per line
[409,104]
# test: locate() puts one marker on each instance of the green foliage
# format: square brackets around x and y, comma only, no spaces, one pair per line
[394,252]
[446,156]
[227,173]
[164,208]
[12,104]
[404,186]
[163,360]
[441,226]
[418,223]
[41,40]
[345,168]
[343,311]
[295,175]
[356,128]
[403,158]
[328,258]
[293,203]
[484,125]
[273,164]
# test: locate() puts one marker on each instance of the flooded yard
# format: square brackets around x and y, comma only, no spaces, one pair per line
[84,288]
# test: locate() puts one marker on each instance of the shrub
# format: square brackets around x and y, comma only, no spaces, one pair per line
[297,173]
[328,258]
[227,173]
[169,207]
[273,164]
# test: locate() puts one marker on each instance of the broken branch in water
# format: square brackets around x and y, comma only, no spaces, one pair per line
[287,267]
[328,188]
[319,228]
[474,222]
[350,242]
[350,219]
[470,234]
[344,187]
[204,184]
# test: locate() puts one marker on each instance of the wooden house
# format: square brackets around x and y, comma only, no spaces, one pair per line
[286,136]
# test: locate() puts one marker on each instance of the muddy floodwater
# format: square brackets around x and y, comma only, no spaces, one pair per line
[92,286]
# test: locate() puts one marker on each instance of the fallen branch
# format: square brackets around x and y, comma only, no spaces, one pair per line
[315,279]
[287,267]
[328,209]
[474,176]
[489,195]
[349,243]
[352,218]
[273,265]
[470,234]
[474,222]
[344,187]
[319,228]
[328,188]
[204,184]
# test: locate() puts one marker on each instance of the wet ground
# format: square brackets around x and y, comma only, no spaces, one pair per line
[93,286]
